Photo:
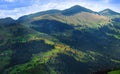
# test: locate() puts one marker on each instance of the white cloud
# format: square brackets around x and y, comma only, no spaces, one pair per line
[39,6]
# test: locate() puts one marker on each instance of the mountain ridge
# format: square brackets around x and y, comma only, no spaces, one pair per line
[63,11]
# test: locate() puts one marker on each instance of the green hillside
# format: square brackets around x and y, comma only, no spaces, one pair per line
[73,41]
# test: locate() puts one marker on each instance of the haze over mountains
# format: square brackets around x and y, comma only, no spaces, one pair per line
[73,41]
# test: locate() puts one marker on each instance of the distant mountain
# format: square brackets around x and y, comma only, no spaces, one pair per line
[109,12]
[71,41]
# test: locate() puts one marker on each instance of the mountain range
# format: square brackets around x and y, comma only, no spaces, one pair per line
[76,40]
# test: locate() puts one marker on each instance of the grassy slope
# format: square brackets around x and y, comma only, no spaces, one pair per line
[40,62]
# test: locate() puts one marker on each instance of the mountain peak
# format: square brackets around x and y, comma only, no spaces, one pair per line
[77,6]
[108,12]
[75,9]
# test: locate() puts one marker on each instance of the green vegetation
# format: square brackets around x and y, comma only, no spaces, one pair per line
[117,61]
[39,60]
[114,72]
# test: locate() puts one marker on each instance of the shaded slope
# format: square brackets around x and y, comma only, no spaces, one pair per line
[108,12]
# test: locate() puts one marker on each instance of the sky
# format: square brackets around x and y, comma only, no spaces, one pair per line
[17,8]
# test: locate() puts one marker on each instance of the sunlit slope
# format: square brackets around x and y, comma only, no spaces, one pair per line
[83,19]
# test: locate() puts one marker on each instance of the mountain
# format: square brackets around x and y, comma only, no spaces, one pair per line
[71,41]
[109,12]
